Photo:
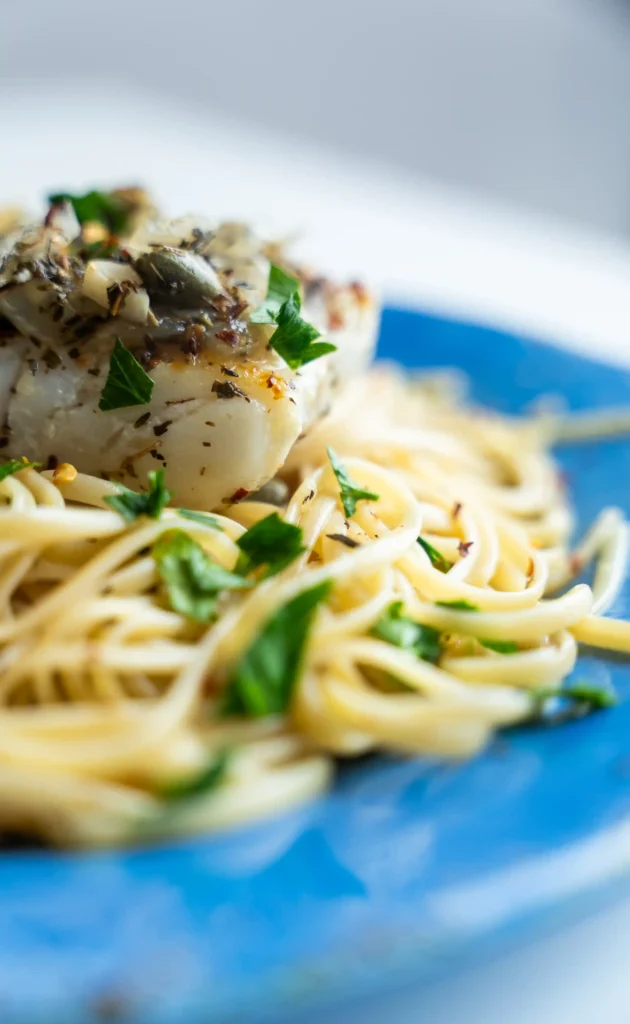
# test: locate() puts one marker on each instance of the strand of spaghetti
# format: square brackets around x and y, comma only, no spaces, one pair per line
[540,667]
[589,426]
[529,624]
[498,703]
[612,634]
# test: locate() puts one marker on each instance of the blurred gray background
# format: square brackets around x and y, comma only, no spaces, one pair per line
[522,100]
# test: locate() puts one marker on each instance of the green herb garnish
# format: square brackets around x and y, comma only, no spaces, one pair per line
[398,629]
[201,783]
[500,646]
[438,561]
[350,492]
[98,251]
[199,517]
[585,697]
[280,289]
[131,504]
[263,680]
[14,466]
[127,383]
[294,338]
[103,207]
[271,542]
[459,605]
[191,579]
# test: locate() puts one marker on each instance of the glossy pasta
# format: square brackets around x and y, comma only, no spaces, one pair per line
[110,697]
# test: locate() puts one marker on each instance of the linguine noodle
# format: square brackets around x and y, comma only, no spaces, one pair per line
[109,696]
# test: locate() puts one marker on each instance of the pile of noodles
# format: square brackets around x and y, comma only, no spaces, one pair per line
[108,696]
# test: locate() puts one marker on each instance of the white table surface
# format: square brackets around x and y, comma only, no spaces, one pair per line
[418,243]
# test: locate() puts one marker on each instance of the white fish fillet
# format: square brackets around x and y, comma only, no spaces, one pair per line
[224,414]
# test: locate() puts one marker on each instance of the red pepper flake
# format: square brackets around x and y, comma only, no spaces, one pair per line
[360,292]
[193,339]
[277,385]
[464,547]
[576,563]
[335,320]
[238,495]
[228,335]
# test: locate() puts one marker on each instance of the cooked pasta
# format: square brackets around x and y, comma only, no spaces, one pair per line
[420,604]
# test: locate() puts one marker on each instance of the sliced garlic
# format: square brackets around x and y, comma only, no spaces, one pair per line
[99,277]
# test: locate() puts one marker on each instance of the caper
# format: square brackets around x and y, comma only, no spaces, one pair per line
[184,277]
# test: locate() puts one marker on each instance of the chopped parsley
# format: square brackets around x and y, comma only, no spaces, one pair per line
[131,504]
[280,289]
[103,207]
[199,517]
[127,383]
[271,542]
[14,466]
[263,680]
[398,629]
[200,783]
[573,701]
[500,646]
[98,251]
[437,560]
[294,338]
[458,606]
[350,492]
[192,581]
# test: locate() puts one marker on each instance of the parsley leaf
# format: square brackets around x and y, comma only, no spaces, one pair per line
[192,581]
[293,338]
[500,646]
[103,207]
[127,383]
[263,680]
[199,517]
[271,542]
[591,698]
[199,784]
[350,493]
[437,560]
[280,289]
[97,251]
[573,701]
[14,466]
[459,605]
[398,629]
[131,504]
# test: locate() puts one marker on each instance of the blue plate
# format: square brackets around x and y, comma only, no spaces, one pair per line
[401,873]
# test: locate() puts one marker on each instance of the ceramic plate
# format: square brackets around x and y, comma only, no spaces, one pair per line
[405,870]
